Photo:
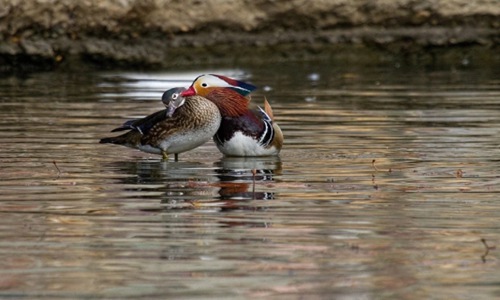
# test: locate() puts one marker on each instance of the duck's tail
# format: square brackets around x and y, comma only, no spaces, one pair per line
[110,140]
[130,139]
[268,109]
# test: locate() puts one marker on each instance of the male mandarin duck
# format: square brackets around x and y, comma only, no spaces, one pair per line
[194,122]
[245,130]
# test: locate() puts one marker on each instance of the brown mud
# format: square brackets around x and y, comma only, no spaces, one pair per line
[154,33]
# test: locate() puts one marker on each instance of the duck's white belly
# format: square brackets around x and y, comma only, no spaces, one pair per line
[147,149]
[242,145]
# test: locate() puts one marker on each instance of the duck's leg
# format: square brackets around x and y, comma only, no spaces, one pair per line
[176,156]
[164,155]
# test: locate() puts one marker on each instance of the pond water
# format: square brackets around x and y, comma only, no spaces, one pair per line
[387,187]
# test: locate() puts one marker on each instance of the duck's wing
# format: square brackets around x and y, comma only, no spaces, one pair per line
[126,126]
[143,125]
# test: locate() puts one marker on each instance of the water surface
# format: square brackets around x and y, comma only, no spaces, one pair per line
[387,187]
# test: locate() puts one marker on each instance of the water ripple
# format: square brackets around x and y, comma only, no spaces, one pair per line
[386,185]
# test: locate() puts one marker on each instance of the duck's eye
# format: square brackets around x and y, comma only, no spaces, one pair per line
[204,84]
[174,96]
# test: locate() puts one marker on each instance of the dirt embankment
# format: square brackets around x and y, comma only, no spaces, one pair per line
[162,32]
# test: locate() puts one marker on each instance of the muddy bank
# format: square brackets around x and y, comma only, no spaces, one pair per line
[156,33]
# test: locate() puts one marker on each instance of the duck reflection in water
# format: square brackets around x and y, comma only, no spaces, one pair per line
[241,177]
[192,184]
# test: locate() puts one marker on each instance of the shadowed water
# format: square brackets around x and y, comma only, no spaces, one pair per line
[386,186]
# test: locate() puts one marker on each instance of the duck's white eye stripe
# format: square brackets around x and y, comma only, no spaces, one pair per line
[209,80]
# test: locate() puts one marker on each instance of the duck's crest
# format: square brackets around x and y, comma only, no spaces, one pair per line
[243,88]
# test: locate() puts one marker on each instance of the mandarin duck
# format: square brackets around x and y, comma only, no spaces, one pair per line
[245,130]
[171,99]
[194,122]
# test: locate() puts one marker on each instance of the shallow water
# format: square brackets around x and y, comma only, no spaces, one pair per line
[386,186]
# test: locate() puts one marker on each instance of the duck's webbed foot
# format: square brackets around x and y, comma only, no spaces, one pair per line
[164,155]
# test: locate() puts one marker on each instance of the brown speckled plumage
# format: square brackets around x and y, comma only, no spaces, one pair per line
[192,124]
[193,115]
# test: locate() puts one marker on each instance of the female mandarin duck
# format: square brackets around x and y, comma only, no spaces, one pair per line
[245,130]
[195,121]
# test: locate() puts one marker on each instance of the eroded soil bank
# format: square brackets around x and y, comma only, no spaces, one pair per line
[52,34]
